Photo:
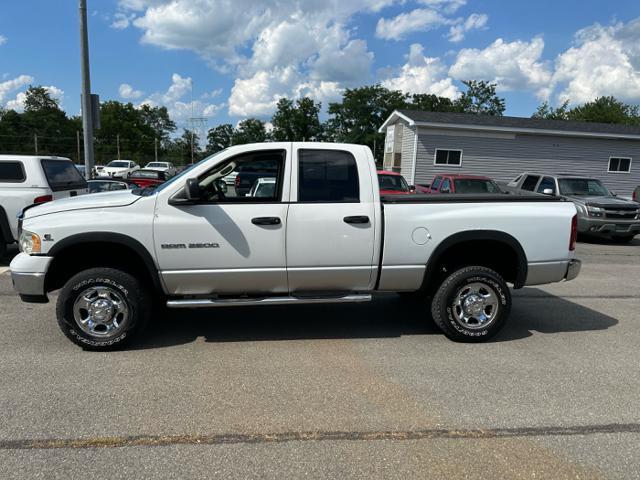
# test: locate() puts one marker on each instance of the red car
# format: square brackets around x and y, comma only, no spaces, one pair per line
[392,183]
[459,183]
[147,178]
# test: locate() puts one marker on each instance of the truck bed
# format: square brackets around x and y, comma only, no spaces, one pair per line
[469,198]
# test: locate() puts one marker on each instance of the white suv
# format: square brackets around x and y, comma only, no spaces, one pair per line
[166,167]
[26,180]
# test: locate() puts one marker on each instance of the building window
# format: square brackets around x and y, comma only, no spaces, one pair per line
[619,165]
[448,157]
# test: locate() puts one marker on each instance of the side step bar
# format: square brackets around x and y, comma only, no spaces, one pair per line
[248,302]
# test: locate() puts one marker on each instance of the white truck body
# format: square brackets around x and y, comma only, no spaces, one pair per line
[31,185]
[209,253]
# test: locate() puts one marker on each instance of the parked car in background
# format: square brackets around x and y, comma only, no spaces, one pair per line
[392,183]
[636,194]
[600,213]
[423,187]
[26,180]
[460,183]
[119,168]
[325,236]
[231,178]
[148,178]
[166,167]
[263,188]
[100,185]
[247,174]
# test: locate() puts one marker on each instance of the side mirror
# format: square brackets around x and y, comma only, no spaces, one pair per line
[548,191]
[192,190]
[614,194]
[412,188]
[222,186]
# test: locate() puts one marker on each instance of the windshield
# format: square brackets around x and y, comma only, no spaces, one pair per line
[157,164]
[475,185]
[393,182]
[183,173]
[118,164]
[582,187]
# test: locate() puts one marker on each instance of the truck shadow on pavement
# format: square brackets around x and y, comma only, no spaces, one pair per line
[388,316]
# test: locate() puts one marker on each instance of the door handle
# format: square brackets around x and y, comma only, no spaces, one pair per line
[266,221]
[357,219]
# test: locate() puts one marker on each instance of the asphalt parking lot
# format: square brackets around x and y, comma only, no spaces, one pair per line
[344,391]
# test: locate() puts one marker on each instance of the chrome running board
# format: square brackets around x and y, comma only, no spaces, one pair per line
[249,302]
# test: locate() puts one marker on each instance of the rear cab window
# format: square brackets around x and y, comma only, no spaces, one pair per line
[62,175]
[547,183]
[12,172]
[329,176]
[530,182]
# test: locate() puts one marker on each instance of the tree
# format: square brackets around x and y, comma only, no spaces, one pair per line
[250,130]
[432,103]
[219,138]
[606,110]
[158,119]
[38,99]
[181,147]
[546,111]
[481,99]
[296,122]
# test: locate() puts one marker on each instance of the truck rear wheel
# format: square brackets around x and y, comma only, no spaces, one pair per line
[102,309]
[472,304]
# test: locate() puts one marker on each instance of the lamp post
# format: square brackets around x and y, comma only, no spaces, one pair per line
[87,120]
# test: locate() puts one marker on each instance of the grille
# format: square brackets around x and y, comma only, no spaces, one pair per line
[620,214]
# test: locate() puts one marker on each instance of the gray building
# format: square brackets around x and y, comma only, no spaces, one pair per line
[422,144]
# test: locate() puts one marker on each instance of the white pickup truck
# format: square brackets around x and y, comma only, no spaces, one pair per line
[323,235]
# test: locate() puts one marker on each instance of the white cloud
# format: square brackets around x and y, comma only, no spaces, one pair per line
[422,75]
[604,61]
[180,108]
[447,6]
[475,21]
[418,20]
[3,40]
[514,65]
[122,20]
[259,94]
[128,92]
[9,86]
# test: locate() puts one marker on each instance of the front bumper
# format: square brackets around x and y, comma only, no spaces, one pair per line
[28,274]
[608,226]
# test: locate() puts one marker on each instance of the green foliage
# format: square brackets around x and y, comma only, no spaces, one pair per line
[219,138]
[296,122]
[480,98]
[250,130]
[602,110]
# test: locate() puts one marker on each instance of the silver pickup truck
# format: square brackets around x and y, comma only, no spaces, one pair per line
[600,212]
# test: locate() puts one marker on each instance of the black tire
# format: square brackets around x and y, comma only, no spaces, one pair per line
[3,248]
[447,315]
[115,285]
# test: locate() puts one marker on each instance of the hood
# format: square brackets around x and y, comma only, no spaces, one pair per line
[604,202]
[119,198]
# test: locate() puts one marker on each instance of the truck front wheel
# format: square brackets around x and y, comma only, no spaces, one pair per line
[102,309]
[472,304]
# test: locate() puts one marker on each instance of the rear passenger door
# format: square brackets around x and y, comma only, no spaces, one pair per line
[331,222]
[529,183]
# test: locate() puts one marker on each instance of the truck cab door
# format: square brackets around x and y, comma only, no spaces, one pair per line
[333,216]
[227,242]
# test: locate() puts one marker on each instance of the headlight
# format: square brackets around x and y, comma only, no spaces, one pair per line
[595,211]
[30,243]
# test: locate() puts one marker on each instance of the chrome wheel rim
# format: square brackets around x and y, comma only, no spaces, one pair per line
[101,312]
[475,306]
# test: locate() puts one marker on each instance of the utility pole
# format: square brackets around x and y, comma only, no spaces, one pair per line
[87,120]
[118,144]
[78,143]
[155,148]
[35,142]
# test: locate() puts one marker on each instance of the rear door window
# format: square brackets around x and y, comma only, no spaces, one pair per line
[62,175]
[436,183]
[446,187]
[12,172]
[530,182]
[329,176]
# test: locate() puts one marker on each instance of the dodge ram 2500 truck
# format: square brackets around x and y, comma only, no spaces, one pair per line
[323,234]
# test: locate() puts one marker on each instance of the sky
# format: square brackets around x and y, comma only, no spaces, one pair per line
[226,60]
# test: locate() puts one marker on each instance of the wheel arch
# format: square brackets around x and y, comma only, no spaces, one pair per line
[452,252]
[5,228]
[93,249]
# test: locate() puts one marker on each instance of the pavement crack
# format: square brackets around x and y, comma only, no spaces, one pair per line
[281,437]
